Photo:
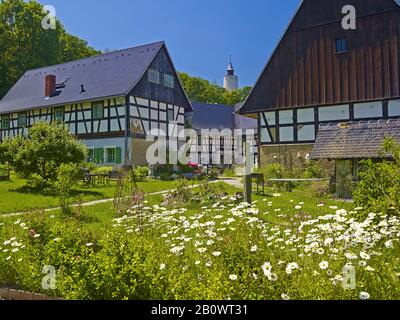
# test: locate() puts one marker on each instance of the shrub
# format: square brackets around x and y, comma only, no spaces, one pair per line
[46,148]
[4,170]
[213,174]
[314,169]
[229,173]
[102,170]
[379,187]
[141,173]
[66,178]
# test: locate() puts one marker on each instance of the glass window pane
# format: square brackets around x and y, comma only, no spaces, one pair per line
[171,115]
[306,133]
[286,117]
[134,111]
[163,129]
[341,45]
[334,113]
[22,120]
[110,155]
[305,115]
[368,110]
[394,108]
[273,134]
[286,134]
[59,115]
[97,111]
[144,113]
[270,117]
[154,76]
[168,81]
[163,116]
[265,137]
[154,114]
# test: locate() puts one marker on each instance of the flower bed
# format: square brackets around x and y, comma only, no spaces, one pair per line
[224,250]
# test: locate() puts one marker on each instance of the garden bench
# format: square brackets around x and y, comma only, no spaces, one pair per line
[114,175]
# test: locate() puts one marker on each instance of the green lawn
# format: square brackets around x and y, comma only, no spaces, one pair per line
[16,197]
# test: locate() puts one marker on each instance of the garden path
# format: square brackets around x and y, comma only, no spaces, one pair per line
[232,182]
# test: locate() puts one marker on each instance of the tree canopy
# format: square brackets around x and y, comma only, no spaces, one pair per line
[201,90]
[46,148]
[24,44]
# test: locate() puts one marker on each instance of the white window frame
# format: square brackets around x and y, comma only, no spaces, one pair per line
[153,76]
[106,157]
[169,81]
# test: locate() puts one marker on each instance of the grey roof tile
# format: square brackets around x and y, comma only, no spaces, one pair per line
[217,116]
[105,75]
[354,141]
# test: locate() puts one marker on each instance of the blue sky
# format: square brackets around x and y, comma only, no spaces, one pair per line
[200,34]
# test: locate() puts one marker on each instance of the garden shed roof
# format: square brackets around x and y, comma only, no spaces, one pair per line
[354,140]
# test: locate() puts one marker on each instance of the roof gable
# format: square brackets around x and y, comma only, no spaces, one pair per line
[176,95]
[105,75]
[290,54]
[217,116]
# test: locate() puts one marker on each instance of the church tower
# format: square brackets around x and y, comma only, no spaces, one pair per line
[231,81]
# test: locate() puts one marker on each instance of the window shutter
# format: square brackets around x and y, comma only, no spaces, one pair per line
[118,155]
[99,155]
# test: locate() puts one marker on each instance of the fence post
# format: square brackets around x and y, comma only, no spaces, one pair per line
[247,188]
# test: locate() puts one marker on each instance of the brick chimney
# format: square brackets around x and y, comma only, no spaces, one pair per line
[49,85]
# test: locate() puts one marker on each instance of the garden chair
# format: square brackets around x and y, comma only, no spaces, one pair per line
[86,178]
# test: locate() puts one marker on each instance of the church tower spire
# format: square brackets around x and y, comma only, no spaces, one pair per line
[231,81]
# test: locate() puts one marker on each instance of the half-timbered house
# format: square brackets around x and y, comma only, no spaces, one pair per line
[210,121]
[110,101]
[323,73]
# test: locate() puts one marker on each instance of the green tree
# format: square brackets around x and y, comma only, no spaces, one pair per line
[47,147]
[379,188]
[25,45]
[201,90]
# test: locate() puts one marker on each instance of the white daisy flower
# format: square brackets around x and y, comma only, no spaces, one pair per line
[324,265]
[364,295]
[233,277]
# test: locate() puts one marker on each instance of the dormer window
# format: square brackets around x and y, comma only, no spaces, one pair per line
[168,81]
[341,45]
[154,76]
